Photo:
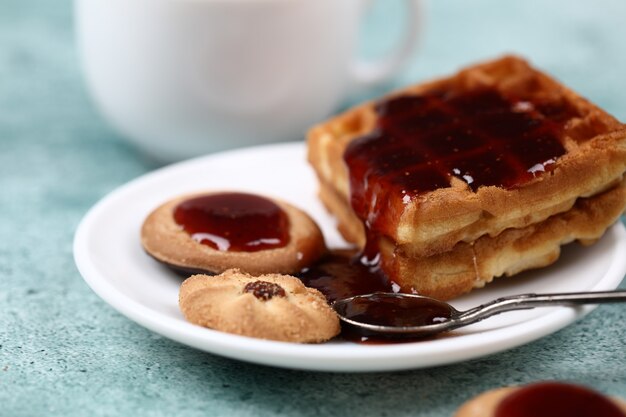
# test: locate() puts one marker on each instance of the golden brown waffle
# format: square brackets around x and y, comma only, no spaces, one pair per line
[472,265]
[481,188]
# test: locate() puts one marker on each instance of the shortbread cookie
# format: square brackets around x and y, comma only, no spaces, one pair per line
[544,399]
[213,232]
[272,306]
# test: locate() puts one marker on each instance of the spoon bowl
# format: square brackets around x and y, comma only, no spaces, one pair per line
[398,315]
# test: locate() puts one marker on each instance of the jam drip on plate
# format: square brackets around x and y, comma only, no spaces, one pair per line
[422,142]
[237,222]
[554,399]
[342,274]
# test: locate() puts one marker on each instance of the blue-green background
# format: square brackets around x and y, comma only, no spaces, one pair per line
[64,352]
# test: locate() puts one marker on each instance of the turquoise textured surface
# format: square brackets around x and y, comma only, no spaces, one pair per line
[64,352]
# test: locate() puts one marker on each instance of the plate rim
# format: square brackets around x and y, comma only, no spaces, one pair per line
[325,357]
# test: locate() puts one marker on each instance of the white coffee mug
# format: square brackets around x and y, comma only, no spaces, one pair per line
[182,78]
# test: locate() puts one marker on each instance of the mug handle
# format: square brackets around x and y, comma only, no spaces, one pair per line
[369,73]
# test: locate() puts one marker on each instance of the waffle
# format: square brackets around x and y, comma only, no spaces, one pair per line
[472,265]
[457,181]
[524,148]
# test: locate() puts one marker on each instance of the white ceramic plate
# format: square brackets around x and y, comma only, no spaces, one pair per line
[109,256]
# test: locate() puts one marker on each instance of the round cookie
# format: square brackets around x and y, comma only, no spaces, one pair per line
[525,400]
[272,306]
[166,241]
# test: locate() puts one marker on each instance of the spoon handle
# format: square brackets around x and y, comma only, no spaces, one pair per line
[527,301]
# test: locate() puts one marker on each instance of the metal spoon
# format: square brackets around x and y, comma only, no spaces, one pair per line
[408,315]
